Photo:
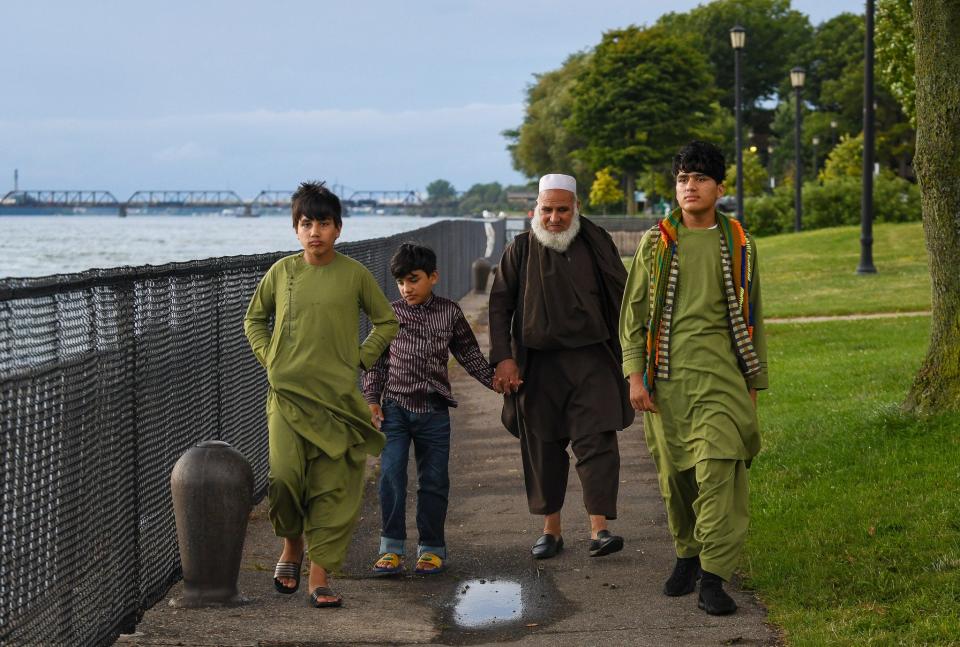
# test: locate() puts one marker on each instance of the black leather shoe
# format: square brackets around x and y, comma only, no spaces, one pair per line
[546,547]
[605,543]
[713,599]
[684,578]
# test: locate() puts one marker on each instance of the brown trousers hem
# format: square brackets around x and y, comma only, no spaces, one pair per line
[546,466]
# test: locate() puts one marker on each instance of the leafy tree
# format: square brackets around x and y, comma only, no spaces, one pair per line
[441,191]
[605,191]
[895,52]
[657,179]
[776,33]
[544,143]
[835,51]
[642,95]
[936,25]
[755,175]
[836,85]
[490,196]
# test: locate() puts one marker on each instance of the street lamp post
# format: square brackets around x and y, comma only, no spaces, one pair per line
[866,198]
[833,134]
[797,77]
[773,183]
[815,141]
[738,38]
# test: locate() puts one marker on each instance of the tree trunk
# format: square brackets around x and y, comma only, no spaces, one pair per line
[629,181]
[937,164]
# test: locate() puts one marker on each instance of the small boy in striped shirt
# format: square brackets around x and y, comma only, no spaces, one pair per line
[409,394]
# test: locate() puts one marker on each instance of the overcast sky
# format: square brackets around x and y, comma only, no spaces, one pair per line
[234,94]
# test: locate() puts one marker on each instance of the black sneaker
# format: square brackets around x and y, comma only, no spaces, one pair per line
[713,599]
[684,578]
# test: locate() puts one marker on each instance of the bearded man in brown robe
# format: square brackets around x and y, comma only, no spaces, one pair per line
[554,310]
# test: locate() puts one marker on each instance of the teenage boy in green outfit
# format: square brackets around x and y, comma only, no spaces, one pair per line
[319,424]
[694,350]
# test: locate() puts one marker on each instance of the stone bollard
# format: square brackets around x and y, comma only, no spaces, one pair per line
[481,270]
[212,486]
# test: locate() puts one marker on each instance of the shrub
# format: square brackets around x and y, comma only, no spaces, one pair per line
[895,199]
[768,214]
[837,201]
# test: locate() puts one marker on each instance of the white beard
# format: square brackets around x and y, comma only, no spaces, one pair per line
[558,241]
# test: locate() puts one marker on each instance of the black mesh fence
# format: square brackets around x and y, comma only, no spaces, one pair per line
[106,378]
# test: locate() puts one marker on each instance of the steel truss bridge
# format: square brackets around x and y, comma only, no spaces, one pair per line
[228,201]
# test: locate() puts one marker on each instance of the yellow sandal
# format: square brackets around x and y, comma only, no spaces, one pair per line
[430,564]
[388,564]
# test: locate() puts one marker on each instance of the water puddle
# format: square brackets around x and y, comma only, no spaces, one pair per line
[481,603]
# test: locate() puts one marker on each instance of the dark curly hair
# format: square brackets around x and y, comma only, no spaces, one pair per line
[701,157]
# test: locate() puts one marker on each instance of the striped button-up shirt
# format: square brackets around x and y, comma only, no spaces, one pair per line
[413,371]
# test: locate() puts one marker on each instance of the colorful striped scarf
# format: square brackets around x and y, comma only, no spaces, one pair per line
[664,275]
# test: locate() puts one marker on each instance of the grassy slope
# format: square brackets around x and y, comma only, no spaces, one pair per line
[856,520]
[814,273]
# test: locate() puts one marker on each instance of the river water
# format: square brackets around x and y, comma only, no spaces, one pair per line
[43,245]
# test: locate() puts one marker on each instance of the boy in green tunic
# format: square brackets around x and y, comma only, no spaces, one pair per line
[319,425]
[695,354]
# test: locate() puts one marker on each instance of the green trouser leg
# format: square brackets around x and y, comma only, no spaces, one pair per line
[310,493]
[707,511]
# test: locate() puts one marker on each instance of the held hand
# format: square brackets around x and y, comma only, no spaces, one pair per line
[506,377]
[376,415]
[640,398]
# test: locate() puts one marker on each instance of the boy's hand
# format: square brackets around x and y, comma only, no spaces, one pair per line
[506,377]
[640,398]
[376,415]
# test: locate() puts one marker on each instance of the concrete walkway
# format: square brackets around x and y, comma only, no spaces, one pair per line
[493,592]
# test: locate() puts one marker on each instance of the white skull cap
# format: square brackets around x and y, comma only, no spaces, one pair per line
[558,181]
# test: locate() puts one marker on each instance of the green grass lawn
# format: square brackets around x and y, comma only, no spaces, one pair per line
[814,273]
[855,536]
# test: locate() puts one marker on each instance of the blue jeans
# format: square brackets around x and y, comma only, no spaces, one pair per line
[430,433]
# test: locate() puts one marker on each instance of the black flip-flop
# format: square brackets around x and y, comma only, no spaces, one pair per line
[605,543]
[288,569]
[324,592]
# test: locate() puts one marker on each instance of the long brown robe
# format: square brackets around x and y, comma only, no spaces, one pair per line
[544,305]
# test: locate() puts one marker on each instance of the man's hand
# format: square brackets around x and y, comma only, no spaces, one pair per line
[753,396]
[506,377]
[376,415]
[640,398]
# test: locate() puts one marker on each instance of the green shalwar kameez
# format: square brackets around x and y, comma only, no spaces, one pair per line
[706,429]
[318,422]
